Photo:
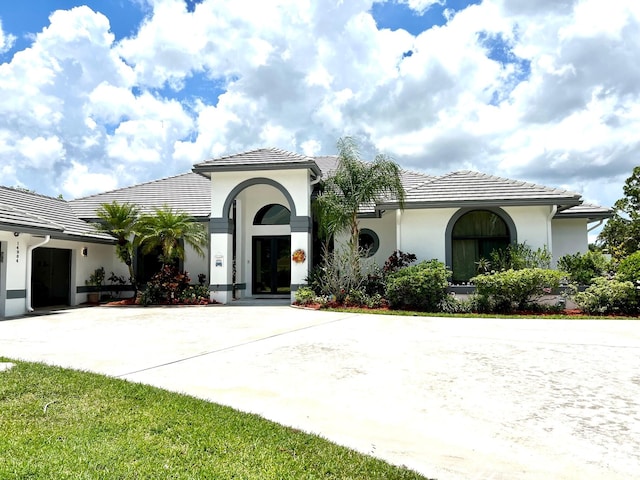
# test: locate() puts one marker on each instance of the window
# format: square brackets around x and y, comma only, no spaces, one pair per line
[474,236]
[368,241]
[273,214]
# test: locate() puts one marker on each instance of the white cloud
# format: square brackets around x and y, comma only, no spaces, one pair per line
[6,40]
[79,182]
[546,91]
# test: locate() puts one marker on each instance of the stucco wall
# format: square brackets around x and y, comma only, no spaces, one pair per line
[569,236]
[14,281]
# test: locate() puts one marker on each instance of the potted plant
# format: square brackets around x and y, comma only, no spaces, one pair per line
[96,280]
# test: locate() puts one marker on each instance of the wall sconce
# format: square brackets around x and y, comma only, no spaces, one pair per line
[16,234]
[84,251]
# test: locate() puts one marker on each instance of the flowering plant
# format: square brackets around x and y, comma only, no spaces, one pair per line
[299,256]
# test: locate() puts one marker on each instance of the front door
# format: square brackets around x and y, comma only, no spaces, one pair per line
[271,265]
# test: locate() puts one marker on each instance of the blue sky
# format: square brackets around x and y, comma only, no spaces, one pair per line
[105,94]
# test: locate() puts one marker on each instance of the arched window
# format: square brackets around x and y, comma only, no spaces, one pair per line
[474,236]
[273,214]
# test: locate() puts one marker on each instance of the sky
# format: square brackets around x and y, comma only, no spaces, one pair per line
[103,94]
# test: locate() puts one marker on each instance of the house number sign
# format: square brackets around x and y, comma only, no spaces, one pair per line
[17,252]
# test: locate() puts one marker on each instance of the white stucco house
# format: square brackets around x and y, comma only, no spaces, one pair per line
[257,206]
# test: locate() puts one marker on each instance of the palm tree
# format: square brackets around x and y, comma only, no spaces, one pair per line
[169,230]
[119,220]
[355,184]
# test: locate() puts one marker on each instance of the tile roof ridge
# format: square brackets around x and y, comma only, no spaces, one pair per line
[157,180]
[281,151]
[35,194]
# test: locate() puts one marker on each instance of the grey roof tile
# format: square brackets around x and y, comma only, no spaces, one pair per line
[467,187]
[586,210]
[259,159]
[189,192]
[27,211]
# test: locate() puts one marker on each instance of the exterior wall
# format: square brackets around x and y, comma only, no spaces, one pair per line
[385,229]
[14,275]
[423,232]
[532,225]
[569,236]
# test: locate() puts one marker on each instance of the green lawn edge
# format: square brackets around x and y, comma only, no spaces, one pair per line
[541,316]
[69,424]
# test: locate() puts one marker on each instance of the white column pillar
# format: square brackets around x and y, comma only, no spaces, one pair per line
[221,267]
[300,271]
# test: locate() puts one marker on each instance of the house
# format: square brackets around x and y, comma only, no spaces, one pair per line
[257,206]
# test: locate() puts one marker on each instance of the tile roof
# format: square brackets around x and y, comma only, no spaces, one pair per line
[586,210]
[260,159]
[26,211]
[467,187]
[188,192]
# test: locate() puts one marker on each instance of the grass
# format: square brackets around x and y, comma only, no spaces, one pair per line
[513,316]
[65,424]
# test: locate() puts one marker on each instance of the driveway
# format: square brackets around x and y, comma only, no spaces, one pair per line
[451,398]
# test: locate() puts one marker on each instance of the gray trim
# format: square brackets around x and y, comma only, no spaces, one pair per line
[448,249]
[477,204]
[13,294]
[56,234]
[589,216]
[221,225]
[228,287]
[252,167]
[296,286]
[256,181]
[301,224]
[104,288]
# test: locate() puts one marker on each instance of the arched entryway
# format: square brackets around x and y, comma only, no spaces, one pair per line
[473,235]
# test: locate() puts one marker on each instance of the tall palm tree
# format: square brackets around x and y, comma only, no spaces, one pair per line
[169,230]
[119,220]
[355,184]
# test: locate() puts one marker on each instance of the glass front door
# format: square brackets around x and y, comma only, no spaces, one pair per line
[271,265]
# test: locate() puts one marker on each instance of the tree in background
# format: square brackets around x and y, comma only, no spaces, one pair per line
[621,235]
[120,220]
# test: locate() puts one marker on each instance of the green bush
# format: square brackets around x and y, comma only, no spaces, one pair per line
[516,289]
[629,268]
[305,296]
[418,287]
[583,268]
[609,296]
[519,256]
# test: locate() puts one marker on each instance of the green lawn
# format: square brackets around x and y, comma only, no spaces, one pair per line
[57,423]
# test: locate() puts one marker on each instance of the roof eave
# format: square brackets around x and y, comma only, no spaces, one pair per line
[568,201]
[207,168]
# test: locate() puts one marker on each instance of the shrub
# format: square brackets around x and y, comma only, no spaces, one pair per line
[305,296]
[609,296]
[419,287]
[340,273]
[583,268]
[516,289]
[194,295]
[629,268]
[396,261]
[519,256]
[165,286]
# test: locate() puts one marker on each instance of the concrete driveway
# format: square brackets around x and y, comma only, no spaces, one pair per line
[451,398]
